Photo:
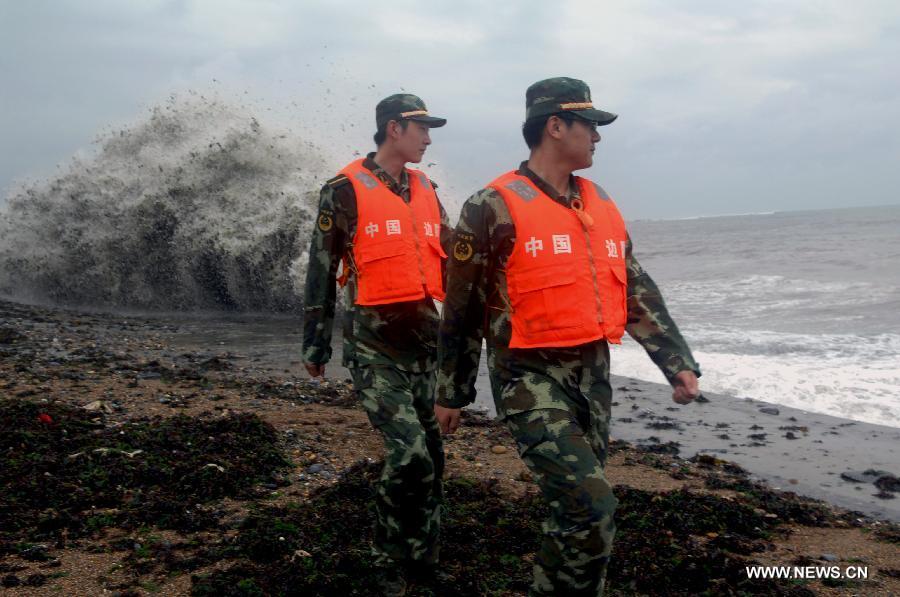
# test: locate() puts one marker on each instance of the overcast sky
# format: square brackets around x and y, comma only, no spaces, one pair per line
[725,107]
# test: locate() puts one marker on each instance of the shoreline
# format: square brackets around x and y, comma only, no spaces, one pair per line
[790,449]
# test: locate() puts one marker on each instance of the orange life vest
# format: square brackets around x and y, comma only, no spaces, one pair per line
[566,275]
[397,247]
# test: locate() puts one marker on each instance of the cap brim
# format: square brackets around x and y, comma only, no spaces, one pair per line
[430,121]
[598,116]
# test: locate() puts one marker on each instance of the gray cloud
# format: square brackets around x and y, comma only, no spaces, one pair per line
[723,108]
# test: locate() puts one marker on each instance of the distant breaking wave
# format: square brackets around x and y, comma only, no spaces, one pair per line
[197,207]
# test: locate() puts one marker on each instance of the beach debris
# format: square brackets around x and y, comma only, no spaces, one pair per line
[866,476]
[45,419]
[829,557]
[663,423]
[97,406]
[655,447]
[888,483]
[10,336]
[769,410]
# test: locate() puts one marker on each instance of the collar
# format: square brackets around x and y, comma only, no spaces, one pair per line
[399,188]
[548,189]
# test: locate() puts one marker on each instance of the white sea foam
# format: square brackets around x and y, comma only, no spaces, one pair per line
[847,376]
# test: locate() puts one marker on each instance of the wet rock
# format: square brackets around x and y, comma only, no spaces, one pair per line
[888,483]
[35,553]
[525,476]
[11,580]
[10,336]
[866,476]
[670,448]
[663,423]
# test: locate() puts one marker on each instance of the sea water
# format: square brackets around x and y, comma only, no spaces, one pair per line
[797,308]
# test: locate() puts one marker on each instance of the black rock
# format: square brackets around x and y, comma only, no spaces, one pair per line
[11,580]
[867,476]
[769,410]
[888,483]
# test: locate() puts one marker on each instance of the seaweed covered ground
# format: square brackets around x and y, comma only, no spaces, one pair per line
[130,466]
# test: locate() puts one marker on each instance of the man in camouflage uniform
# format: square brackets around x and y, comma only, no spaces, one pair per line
[390,349]
[555,400]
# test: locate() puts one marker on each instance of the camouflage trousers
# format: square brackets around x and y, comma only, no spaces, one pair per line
[565,447]
[409,494]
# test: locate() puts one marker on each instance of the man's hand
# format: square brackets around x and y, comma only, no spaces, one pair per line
[448,418]
[686,387]
[315,370]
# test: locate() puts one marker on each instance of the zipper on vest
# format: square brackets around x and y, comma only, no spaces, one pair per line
[590,250]
[412,215]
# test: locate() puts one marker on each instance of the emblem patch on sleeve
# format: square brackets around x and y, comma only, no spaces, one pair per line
[325,222]
[463,250]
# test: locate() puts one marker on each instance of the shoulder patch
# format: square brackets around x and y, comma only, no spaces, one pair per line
[523,190]
[338,181]
[600,192]
[423,180]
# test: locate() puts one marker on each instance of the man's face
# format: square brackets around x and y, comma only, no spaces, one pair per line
[412,142]
[577,143]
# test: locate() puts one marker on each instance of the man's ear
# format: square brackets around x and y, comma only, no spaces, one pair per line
[554,127]
[393,129]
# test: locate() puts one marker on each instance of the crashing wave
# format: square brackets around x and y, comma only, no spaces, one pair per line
[197,207]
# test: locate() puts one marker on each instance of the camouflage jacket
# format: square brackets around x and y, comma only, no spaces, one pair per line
[475,309]
[402,335]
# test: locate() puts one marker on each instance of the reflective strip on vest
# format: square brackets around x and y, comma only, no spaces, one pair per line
[566,276]
[397,246]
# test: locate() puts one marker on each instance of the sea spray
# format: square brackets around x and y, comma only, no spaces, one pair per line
[199,206]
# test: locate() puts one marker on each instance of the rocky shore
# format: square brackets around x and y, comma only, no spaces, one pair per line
[135,461]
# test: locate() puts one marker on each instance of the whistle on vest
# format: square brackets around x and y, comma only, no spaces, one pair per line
[347,266]
[578,207]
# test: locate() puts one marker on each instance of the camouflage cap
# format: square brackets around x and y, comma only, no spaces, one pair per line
[405,106]
[561,95]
